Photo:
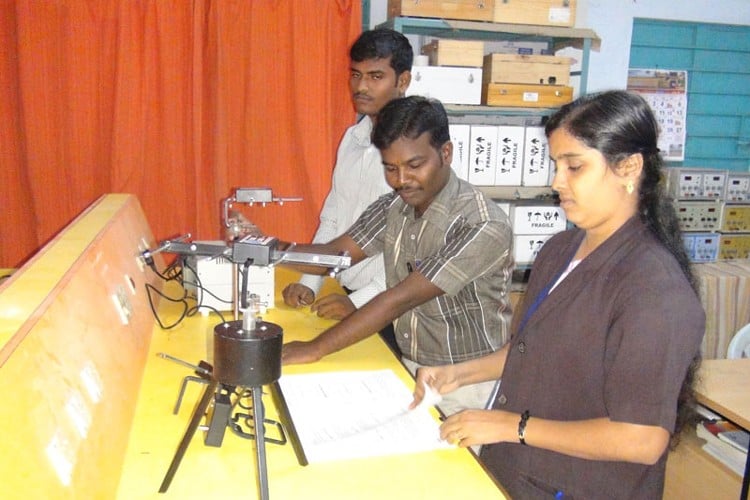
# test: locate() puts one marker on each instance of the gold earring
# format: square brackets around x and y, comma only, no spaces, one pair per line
[630,187]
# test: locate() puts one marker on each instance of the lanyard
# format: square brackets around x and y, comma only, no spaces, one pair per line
[544,292]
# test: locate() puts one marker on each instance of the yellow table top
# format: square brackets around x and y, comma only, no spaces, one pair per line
[229,471]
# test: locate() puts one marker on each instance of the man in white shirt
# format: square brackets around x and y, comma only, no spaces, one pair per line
[381,63]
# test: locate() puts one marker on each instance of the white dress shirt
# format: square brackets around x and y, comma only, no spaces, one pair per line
[358,180]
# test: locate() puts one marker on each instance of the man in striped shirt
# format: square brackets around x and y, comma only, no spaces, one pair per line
[447,253]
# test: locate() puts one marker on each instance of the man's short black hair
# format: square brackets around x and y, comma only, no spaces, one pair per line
[384,43]
[410,117]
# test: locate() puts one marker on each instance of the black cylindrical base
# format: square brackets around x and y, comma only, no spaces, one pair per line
[247,358]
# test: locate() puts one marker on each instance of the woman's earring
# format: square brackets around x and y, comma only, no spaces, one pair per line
[630,187]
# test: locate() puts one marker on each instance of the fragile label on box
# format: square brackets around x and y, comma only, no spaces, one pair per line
[509,164]
[537,219]
[536,162]
[526,247]
[483,155]
[460,137]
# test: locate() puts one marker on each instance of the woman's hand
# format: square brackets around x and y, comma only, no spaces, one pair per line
[476,427]
[442,379]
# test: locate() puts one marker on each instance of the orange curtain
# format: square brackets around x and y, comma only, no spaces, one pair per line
[177,101]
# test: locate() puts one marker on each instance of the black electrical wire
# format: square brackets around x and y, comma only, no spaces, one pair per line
[175,272]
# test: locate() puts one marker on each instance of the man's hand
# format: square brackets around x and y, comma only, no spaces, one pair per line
[298,352]
[238,226]
[298,295]
[334,306]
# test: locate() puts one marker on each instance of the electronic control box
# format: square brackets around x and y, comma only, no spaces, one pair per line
[699,215]
[702,247]
[210,279]
[734,246]
[738,187]
[735,219]
[696,183]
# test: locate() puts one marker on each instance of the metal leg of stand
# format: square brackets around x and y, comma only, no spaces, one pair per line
[198,414]
[260,442]
[286,420]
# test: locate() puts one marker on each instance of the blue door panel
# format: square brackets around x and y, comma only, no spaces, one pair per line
[707,82]
[733,38]
[663,35]
[712,125]
[720,148]
[647,57]
[717,59]
[726,62]
[718,104]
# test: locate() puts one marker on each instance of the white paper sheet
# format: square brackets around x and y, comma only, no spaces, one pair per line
[356,414]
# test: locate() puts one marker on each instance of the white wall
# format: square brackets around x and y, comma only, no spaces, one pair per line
[612,20]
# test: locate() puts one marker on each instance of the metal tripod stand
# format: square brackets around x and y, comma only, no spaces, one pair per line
[247,360]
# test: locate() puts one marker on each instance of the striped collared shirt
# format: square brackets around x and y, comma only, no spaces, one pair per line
[462,244]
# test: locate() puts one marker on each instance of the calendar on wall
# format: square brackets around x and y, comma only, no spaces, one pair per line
[666,93]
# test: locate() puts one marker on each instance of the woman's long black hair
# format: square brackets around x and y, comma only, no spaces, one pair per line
[619,124]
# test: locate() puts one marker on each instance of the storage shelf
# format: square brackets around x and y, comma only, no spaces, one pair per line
[468,109]
[559,36]
[556,37]
[518,192]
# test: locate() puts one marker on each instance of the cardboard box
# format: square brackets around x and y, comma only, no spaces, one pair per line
[537,219]
[460,137]
[541,12]
[525,95]
[471,10]
[448,84]
[483,155]
[536,162]
[536,69]
[526,246]
[509,163]
[468,53]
